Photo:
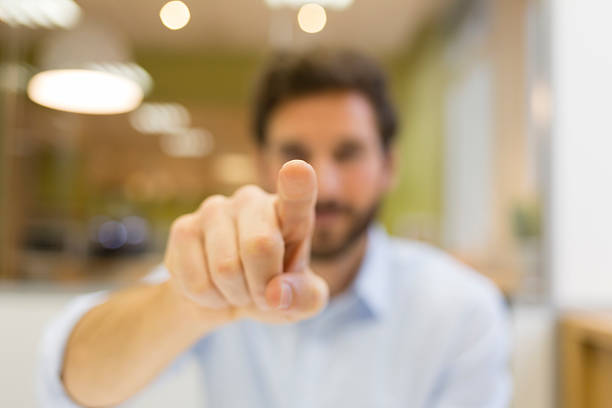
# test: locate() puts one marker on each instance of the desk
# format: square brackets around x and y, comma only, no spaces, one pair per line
[586,360]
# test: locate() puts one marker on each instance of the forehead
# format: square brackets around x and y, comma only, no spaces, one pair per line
[322,118]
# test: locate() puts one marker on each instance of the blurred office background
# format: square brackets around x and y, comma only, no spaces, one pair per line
[92,175]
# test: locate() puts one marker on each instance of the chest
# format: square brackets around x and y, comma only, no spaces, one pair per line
[364,364]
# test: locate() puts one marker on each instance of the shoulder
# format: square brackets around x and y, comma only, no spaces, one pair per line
[426,277]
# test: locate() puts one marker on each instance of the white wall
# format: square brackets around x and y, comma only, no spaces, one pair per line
[468,161]
[582,153]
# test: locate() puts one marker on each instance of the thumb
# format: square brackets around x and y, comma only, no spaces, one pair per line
[301,293]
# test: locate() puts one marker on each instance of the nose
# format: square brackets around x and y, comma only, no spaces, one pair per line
[328,179]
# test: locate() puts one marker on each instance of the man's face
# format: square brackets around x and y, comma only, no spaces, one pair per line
[336,132]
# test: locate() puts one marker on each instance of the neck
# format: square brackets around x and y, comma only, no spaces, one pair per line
[340,272]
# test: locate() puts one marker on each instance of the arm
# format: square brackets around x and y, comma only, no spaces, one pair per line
[122,344]
[240,256]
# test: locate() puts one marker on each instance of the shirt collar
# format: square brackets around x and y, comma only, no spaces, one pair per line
[371,282]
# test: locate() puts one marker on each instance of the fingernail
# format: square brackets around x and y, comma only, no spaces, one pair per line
[285,297]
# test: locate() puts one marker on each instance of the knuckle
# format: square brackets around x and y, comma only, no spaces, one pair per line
[248,191]
[263,244]
[213,203]
[184,227]
[200,288]
[228,268]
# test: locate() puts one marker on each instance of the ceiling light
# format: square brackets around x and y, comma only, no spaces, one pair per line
[40,13]
[128,70]
[84,91]
[155,117]
[191,142]
[333,4]
[312,18]
[88,70]
[175,15]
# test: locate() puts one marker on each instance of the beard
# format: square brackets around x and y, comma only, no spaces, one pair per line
[325,247]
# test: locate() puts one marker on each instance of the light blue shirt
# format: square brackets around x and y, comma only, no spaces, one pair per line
[416,329]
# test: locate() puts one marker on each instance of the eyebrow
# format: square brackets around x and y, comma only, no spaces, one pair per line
[349,143]
[291,146]
[295,146]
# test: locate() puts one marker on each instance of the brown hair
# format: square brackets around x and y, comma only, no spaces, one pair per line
[289,75]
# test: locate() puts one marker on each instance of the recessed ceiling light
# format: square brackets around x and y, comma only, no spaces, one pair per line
[312,18]
[175,15]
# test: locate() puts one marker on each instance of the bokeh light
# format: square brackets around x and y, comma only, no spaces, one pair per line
[84,91]
[312,18]
[175,15]
[188,142]
[157,117]
[234,168]
[335,4]
[112,235]
[137,229]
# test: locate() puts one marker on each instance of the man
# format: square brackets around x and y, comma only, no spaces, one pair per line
[246,279]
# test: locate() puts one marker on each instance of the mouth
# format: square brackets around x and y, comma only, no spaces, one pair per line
[325,217]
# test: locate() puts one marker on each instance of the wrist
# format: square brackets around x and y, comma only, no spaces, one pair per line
[190,315]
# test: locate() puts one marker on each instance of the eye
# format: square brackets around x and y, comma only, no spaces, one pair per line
[347,152]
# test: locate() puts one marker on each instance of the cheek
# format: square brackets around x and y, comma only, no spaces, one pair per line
[363,182]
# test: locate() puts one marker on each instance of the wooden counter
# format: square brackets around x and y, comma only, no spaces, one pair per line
[586,360]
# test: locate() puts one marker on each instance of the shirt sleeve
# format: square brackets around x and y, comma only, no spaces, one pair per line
[478,375]
[50,388]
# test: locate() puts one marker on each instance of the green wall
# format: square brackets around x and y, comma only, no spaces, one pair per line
[209,77]
[418,81]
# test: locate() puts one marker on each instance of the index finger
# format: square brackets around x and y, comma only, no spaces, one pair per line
[296,198]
